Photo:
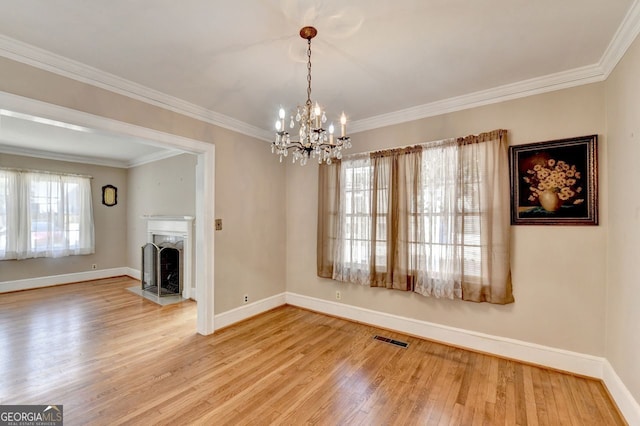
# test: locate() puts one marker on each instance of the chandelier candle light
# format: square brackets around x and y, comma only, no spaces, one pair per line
[314,141]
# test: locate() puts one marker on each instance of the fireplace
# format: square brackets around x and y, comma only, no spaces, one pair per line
[167,265]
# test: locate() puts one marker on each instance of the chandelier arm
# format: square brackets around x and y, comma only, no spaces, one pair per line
[296,145]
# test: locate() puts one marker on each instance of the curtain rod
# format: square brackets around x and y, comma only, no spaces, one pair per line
[14,169]
[428,144]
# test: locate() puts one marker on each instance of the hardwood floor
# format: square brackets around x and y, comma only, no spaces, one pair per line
[111,357]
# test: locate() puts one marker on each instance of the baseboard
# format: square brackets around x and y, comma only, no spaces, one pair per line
[30,283]
[560,359]
[133,273]
[241,313]
[573,362]
[627,405]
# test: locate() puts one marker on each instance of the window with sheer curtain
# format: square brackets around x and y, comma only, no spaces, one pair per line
[44,215]
[432,219]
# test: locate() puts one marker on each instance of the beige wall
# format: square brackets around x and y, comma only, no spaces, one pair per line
[623,292]
[110,223]
[249,197]
[558,271]
[165,187]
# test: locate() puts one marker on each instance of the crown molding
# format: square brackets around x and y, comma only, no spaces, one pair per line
[98,161]
[522,89]
[624,36]
[621,41]
[51,111]
[45,60]
[150,158]
[28,152]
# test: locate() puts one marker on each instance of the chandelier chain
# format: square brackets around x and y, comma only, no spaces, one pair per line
[309,72]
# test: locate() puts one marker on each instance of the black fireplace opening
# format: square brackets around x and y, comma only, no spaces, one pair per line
[162,268]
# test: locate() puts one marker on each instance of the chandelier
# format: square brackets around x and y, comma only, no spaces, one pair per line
[313,139]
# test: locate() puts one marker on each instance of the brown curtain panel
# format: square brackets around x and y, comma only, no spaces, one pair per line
[395,192]
[489,151]
[328,222]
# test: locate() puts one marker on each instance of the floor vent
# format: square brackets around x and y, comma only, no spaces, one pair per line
[391,341]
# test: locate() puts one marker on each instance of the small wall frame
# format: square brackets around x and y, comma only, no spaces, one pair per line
[109,195]
[555,182]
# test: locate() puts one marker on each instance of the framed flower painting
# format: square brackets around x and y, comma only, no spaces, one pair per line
[555,182]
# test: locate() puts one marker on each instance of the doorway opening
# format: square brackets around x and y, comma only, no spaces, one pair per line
[205,178]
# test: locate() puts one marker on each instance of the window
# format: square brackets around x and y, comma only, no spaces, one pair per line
[44,215]
[448,215]
[357,214]
[432,219]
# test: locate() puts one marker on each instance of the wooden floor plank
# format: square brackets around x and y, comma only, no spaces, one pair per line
[111,357]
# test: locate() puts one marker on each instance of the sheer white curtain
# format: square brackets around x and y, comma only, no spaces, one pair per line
[9,216]
[352,256]
[463,251]
[437,255]
[46,215]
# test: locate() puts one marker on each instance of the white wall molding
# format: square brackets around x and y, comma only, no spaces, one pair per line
[150,158]
[133,273]
[560,359]
[621,41]
[30,283]
[572,362]
[624,36]
[522,89]
[627,405]
[30,152]
[31,55]
[241,313]
[48,61]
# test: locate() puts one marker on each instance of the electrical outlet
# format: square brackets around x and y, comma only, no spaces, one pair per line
[338,295]
[245,298]
[94,266]
[218,224]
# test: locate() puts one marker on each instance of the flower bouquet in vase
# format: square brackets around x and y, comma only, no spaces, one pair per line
[554,183]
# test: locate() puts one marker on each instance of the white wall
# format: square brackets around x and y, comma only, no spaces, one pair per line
[623,291]
[558,271]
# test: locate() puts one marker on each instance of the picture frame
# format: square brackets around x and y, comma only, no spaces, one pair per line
[109,195]
[555,182]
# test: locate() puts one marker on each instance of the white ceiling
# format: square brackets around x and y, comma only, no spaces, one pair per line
[23,134]
[386,61]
